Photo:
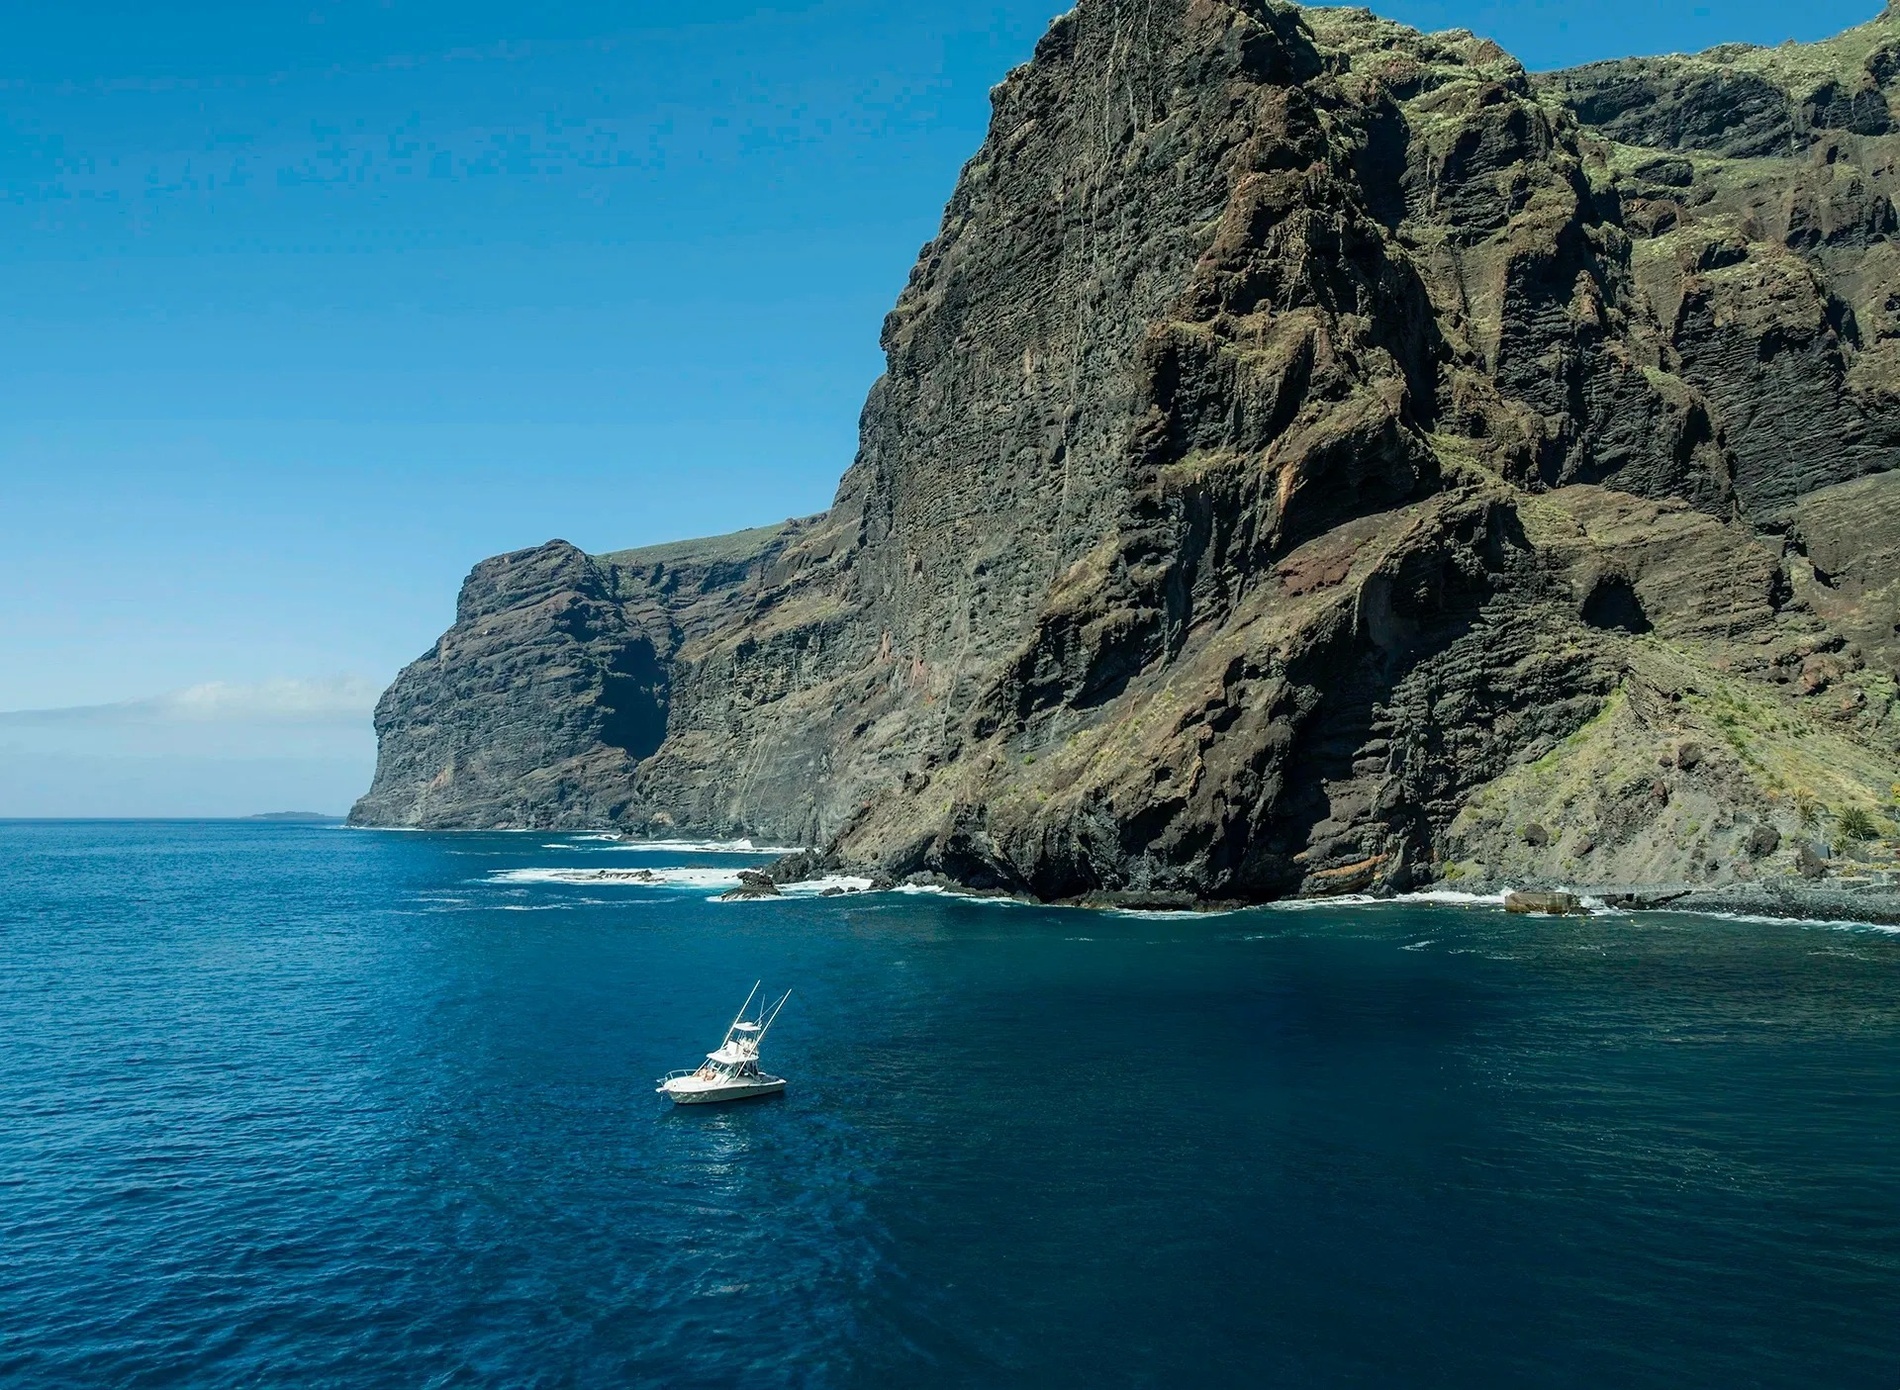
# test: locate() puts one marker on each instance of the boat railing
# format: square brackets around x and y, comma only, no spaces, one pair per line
[675,1075]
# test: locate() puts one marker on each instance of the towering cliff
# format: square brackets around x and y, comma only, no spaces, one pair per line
[1313,456]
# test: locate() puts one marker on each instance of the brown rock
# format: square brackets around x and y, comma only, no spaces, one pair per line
[1545,904]
[1808,863]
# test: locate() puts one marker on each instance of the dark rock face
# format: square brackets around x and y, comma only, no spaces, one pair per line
[538,706]
[1764,246]
[533,709]
[1682,104]
[1306,445]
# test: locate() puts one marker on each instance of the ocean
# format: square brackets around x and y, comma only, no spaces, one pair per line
[299,1105]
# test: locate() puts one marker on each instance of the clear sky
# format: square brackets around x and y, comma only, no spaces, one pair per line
[309,306]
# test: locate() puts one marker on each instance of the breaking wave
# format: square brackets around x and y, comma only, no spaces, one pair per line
[713,880]
[652,878]
[741,846]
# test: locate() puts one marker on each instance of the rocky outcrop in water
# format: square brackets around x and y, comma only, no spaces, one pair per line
[1312,457]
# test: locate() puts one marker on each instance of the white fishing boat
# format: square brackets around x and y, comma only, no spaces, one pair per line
[731,1071]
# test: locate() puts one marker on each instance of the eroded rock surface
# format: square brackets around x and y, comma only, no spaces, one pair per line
[1312,455]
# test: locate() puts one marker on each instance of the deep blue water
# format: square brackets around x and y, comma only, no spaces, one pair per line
[300,1105]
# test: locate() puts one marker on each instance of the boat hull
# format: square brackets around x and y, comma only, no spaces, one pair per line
[689,1090]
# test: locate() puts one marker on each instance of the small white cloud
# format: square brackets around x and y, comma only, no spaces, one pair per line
[345,697]
[339,700]
[270,746]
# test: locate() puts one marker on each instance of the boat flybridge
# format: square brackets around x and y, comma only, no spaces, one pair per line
[732,1071]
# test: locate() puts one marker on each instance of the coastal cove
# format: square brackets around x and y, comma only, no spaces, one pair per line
[298,1104]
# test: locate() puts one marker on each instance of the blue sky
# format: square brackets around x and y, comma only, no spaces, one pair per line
[308,307]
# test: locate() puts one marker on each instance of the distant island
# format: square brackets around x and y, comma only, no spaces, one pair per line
[1314,458]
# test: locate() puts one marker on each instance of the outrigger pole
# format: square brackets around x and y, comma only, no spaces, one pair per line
[766,1016]
[743,1007]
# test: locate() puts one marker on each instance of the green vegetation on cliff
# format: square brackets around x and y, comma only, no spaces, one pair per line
[1313,456]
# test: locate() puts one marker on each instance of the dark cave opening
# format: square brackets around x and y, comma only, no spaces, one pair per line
[1614,607]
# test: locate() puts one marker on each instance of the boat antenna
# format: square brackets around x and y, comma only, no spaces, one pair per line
[743,1007]
[766,1016]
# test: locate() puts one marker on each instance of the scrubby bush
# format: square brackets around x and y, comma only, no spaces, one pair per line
[1855,824]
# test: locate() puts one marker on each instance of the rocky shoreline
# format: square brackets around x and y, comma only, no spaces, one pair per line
[1847,890]
[1868,899]
[1871,898]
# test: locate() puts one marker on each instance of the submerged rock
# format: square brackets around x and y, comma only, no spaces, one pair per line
[752,884]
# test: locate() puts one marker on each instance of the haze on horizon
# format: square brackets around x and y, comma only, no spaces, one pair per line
[315,305]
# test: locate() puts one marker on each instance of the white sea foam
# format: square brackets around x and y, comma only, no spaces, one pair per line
[703,846]
[592,844]
[714,880]
[475,830]
[933,890]
[1452,898]
[1309,904]
[1168,914]
[648,878]
[815,887]
[1831,923]
[846,885]
[1441,897]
